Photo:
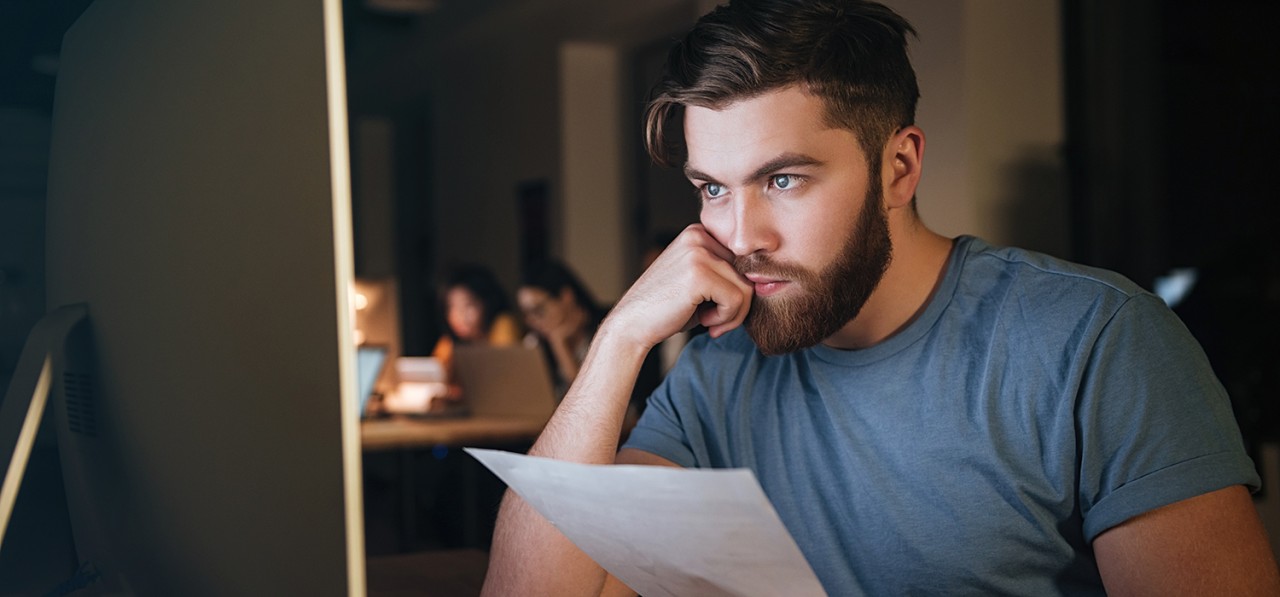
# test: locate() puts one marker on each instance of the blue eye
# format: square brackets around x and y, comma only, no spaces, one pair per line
[783,181]
[712,190]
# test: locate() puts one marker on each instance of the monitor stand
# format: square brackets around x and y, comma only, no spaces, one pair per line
[25,401]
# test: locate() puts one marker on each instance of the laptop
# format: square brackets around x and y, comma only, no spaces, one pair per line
[507,381]
[370,360]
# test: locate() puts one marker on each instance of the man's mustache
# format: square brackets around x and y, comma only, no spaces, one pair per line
[760,264]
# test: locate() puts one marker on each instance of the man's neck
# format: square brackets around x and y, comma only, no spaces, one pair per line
[918,266]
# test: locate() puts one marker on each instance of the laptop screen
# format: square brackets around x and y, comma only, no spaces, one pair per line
[511,381]
[369,362]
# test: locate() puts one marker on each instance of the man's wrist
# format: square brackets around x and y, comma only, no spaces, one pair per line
[616,341]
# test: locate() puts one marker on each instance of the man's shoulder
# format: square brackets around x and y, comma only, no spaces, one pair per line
[1041,303]
[1039,274]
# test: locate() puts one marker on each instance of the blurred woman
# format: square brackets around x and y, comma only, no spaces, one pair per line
[476,311]
[561,316]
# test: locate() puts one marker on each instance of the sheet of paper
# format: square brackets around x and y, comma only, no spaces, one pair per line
[665,531]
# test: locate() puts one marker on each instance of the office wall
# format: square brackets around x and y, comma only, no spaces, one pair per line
[595,152]
[481,87]
[991,106]
[541,92]
[495,120]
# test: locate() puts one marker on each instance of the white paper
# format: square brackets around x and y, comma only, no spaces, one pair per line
[665,531]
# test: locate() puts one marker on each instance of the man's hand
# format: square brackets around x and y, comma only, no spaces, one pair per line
[692,282]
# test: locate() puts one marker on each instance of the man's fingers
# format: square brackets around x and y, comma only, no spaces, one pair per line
[724,294]
[705,240]
[726,299]
[721,319]
[693,280]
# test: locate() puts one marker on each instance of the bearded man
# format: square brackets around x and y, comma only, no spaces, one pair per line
[928,415]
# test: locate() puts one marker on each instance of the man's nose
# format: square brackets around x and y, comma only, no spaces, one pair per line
[753,225]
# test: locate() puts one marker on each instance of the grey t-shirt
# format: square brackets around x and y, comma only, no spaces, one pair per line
[1033,405]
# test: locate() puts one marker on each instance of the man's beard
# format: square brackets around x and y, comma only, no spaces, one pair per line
[826,300]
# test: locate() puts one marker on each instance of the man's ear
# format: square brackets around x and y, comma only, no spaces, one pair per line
[903,158]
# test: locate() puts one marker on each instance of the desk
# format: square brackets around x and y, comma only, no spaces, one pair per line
[451,573]
[399,433]
[408,435]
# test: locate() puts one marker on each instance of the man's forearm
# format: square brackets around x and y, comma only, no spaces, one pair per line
[693,281]
[565,360]
[586,425]
[529,556]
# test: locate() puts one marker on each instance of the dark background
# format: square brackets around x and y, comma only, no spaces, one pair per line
[1171,150]
[1172,116]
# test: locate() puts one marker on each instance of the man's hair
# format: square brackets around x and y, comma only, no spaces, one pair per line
[850,53]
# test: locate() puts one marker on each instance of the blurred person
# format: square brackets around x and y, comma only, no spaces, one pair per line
[476,311]
[926,414]
[561,315]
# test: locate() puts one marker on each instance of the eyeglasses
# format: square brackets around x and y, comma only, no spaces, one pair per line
[536,310]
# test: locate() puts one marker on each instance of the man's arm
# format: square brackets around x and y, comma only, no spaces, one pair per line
[1213,544]
[693,281]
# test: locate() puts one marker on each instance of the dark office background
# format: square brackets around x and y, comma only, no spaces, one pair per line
[1171,151]
[1172,111]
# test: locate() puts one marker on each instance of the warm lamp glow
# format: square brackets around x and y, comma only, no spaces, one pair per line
[359,302]
[374,315]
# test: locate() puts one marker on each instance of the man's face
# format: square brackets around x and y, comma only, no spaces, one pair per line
[794,201]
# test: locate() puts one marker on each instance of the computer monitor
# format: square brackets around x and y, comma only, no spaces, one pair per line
[199,210]
[371,359]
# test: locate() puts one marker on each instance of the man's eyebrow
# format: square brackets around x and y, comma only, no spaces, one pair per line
[782,162]
[692,174]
